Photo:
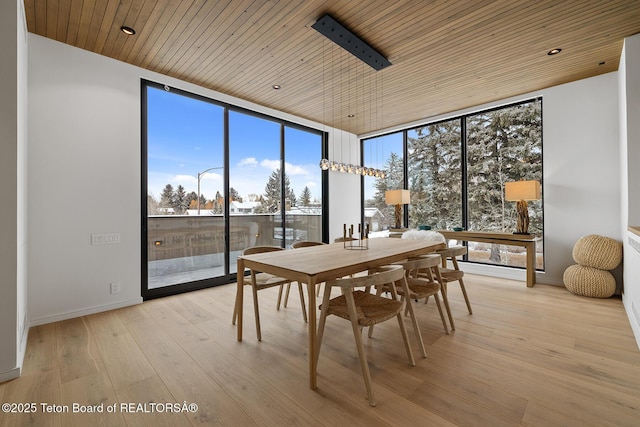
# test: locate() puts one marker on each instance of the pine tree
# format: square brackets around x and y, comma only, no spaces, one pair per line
[393,180]
[503,145]
[234,195]
[271,199]
[305,197]
[435,179]
[180,200]
[167,196]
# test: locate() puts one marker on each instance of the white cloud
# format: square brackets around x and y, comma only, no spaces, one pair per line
[291,169]
[183,179]
[270,164]
[295,170]
[249,161]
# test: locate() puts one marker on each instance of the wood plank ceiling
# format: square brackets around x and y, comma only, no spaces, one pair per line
[446,55]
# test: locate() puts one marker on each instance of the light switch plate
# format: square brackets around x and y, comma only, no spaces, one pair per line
[105,239]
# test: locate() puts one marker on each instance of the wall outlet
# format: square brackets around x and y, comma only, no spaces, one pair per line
[115,288]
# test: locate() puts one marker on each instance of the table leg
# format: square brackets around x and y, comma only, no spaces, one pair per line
[531,264]
[239,299]
[311,291]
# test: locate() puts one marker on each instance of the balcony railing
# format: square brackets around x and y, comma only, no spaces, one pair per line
[183,248]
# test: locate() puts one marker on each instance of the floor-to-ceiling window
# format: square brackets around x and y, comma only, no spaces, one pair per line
[382,153]
[435,171]
[502,145]
[456,170]
[213,185]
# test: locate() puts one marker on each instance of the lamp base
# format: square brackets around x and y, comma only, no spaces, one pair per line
[522,217]
[398,215]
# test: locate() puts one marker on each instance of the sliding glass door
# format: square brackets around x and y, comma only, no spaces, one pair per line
[218,179]
[185,221]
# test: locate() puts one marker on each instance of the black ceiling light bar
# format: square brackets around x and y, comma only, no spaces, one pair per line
[337,33]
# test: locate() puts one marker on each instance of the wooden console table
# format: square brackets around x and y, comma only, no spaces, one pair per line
[528,241]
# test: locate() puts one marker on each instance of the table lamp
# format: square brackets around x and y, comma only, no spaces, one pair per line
[520,192]
[397,198]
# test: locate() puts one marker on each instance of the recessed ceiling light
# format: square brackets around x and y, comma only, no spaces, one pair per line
[554,51]
[127,30]
[276,87]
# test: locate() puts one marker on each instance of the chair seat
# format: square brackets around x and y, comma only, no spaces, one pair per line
[420,288]
[266,280]
[371,309]
[451,275]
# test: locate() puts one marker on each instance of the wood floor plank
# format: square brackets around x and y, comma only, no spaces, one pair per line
[78,354]
[125,362]
[182,377]
[526,356]
[39,383]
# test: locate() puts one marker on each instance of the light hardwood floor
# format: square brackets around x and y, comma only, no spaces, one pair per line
[527,356]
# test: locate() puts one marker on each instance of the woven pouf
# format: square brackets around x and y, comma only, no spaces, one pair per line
[596,251]
[589,281]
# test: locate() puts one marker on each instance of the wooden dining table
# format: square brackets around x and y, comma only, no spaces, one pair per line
[317,264]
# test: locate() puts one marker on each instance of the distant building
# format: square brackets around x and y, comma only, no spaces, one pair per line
[166,211]
[374,218]
[243,207]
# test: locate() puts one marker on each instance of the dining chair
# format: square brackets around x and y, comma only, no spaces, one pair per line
[296,245]
[417,288]
[259,281]
[362,309]
[453,274]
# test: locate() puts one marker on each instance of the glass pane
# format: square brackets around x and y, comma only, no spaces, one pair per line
[303,150]
[184,169]
[254,184]
[382,153]
[502,145]
[435,175]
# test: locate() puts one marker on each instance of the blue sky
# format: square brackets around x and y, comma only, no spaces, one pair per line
[185,137]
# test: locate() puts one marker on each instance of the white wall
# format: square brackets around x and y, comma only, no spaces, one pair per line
[13,175]
[630,175]
[84,160]
[581,162]
[344,188]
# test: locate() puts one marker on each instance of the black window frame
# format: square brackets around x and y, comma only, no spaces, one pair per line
[464,167]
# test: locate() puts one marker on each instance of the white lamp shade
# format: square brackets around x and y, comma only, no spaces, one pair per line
[397,197]
[522,190]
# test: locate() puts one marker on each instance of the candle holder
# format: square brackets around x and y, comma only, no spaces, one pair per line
[356,241]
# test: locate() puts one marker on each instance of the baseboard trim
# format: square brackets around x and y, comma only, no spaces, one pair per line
[84,312]
[10,374]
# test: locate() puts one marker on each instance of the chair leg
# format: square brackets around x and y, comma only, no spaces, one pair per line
[286,295]
[351,305]
[466,298]
[378,293]
[444,322]
[279,297]
[414,322]
[235,311]
[256,312]
[443,290]
[302,303]
[405,337]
